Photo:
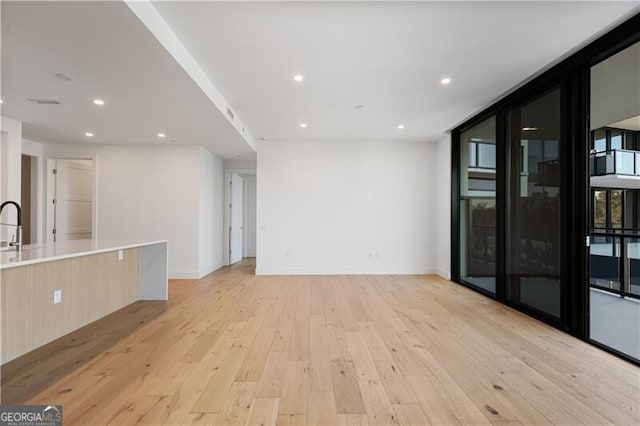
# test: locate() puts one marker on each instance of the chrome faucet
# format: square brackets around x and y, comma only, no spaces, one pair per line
[17,238]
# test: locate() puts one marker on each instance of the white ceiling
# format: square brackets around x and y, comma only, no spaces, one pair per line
[389,56]
[632,123]
[112,56]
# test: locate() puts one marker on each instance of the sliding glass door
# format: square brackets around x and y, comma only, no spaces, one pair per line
[546,195]
[478,205]
[614,281]
[534,203]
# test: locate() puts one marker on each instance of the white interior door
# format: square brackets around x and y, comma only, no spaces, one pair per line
[236,224]
[73,195]
[249,216]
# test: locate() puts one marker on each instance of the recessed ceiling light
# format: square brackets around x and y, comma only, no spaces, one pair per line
[400,126]
[88,134]
[298,78]
[303,125]
[1,101]
[99,102]
[445,80]
[529,129]
[161,135]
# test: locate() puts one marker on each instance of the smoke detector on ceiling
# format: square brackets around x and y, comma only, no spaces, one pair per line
[44,101]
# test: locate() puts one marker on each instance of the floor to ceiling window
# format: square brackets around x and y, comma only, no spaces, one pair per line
[534,204]
[546,195]
[614,280]
[478,205]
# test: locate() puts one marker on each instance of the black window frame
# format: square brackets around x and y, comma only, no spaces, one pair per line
[573,75]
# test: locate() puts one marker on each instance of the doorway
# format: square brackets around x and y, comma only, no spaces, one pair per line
[249,215]
[240,216]
[29,198]
[236,226]
[70,199]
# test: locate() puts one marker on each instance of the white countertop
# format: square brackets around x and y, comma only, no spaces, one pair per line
[37,253]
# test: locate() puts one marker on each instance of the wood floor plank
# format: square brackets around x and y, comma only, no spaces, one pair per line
[263,412]
[395,384]
[320,370]
[237,405]
[256,357]
[346,387]
[347,318]
[362,361]
[270,384]
[197,419]
[353,420]
[215,392]
[201,346]
[433,404]
[376,402]
[292,420]
[322,409]
[338,348]
[235,348]
[410,415]
[295,388]
[377,348]
[318,332]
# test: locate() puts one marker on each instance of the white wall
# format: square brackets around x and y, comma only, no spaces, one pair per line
[36,149]
[211,212]
[154,193]
[240,164]
[10,163]
[347,207]
[10,169]
[443,209]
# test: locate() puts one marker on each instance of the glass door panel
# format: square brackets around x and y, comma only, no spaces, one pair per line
[533,252]
[478,205]
[614,282]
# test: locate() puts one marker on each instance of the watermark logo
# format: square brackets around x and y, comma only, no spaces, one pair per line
[30,415]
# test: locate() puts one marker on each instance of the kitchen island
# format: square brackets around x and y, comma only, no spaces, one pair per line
[49,290]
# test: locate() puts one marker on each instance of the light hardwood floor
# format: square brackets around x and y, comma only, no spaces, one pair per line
[236,349]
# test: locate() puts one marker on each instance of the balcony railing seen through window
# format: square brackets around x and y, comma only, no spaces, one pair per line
[615,162]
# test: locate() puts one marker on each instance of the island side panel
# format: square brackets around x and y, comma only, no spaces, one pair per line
[92,286]
[153,272]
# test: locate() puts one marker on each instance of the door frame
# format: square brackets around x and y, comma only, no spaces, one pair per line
[47,170]
[227,207]
[244,214]
[236,209]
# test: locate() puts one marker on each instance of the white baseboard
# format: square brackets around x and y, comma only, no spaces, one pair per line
[173,275]
[183,275]
[443,273]
[385,270]
[210,269]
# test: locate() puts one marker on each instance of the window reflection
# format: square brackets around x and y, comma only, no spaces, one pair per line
[477,206]
[533,255]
